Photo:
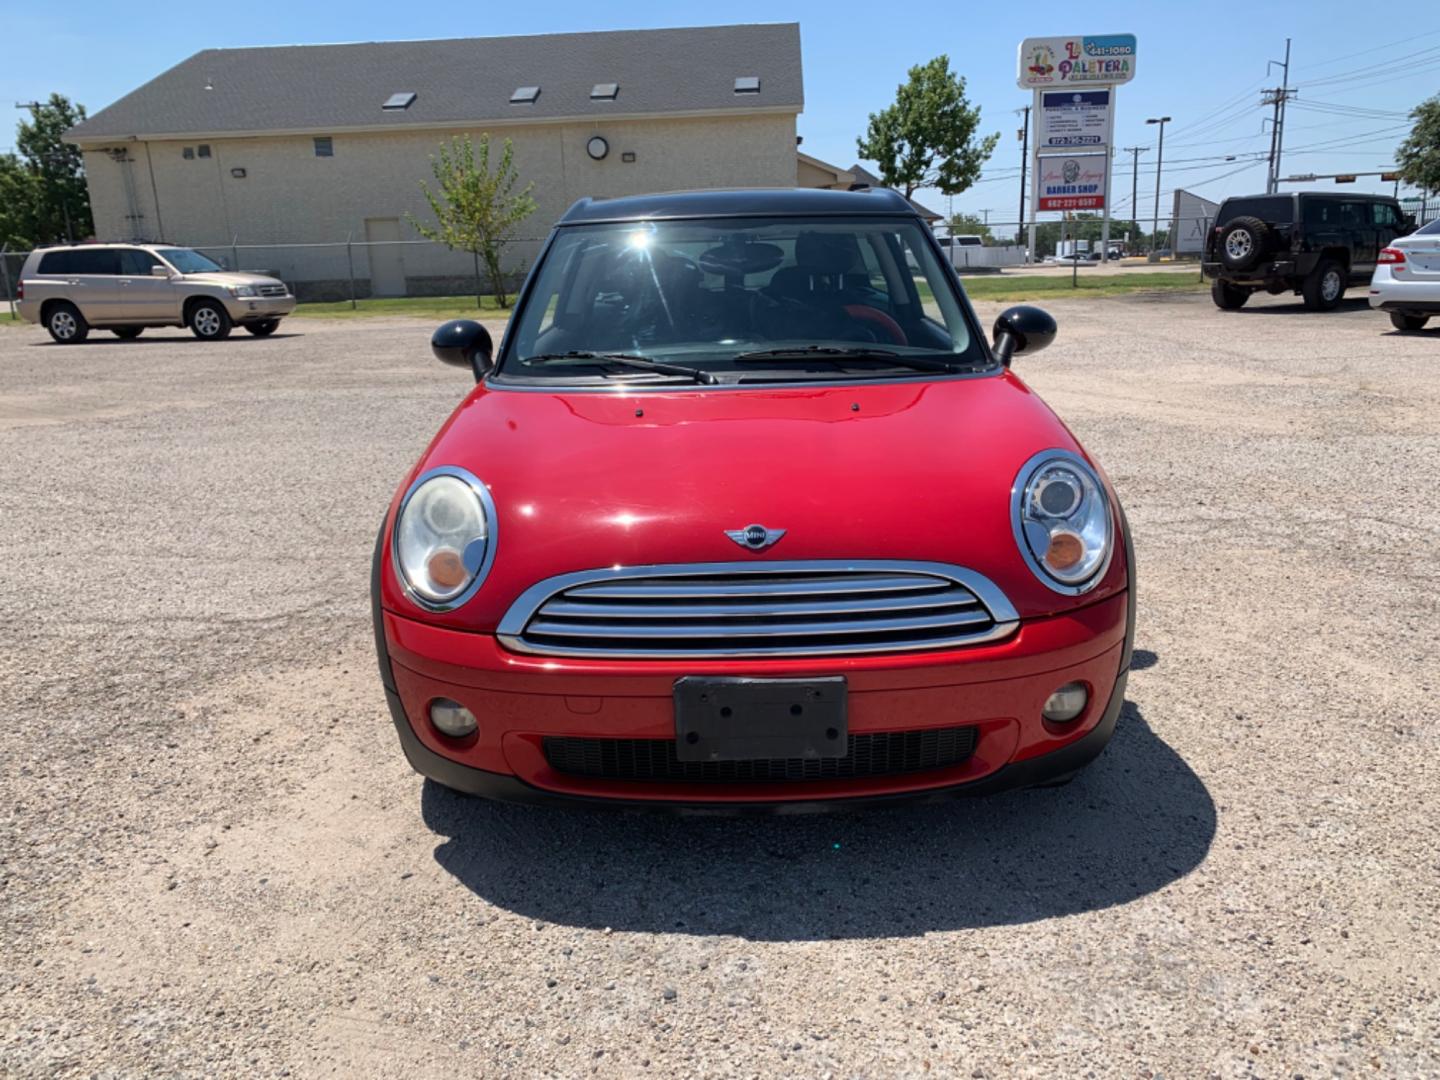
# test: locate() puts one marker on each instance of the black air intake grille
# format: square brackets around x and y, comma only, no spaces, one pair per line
[889,753]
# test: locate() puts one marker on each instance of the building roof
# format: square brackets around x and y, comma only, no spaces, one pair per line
[324,88]
[740,202]
[865,176]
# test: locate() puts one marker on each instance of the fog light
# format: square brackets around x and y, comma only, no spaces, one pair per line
[1066,703]
[451,718]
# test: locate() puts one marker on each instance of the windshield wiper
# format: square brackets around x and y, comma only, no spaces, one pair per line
[642,363]
[835,352]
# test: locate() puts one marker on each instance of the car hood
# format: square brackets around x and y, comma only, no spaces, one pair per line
[228,278]
[914,470]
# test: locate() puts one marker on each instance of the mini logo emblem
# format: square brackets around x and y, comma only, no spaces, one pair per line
[755,537]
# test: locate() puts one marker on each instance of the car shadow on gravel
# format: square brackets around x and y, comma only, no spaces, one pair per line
[144,340]
[1136,820]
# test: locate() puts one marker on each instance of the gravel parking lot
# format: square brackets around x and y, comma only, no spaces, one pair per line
[216,861]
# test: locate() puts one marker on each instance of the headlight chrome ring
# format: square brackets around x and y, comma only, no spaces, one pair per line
[1043,510]
[466,561]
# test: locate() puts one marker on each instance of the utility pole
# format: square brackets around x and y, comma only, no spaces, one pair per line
[1024,163]
[1159,163]
[1277,98]
[1135,152]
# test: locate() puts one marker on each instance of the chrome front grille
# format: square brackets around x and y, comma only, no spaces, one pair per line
[747,609]
[274,290]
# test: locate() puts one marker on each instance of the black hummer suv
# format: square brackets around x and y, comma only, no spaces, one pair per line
[1311,243]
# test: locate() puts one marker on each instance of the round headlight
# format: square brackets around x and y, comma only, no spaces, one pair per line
[444,538]
[1062,521]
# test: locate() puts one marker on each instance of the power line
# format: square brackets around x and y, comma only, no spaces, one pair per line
[1366,52]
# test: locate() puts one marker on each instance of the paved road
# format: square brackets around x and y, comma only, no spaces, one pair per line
[213,859]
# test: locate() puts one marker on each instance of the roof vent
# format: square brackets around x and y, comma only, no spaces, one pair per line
[747,84]
[399,102]
[525,95]
[604,91]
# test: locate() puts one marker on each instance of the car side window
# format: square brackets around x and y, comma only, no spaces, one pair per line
[95,261]
[1353,215]
[1384,214]
[136,263]
[1322,212]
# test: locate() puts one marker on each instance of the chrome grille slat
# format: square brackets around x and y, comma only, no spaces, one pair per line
[766,586]
[755,630]
[761,608]
[724,610]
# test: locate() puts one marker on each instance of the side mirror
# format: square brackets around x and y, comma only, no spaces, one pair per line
[160,270]
[1022,329]
[464,343]
[1408,223]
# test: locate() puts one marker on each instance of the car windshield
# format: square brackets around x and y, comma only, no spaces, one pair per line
[741,299]
[189,262]
[1429,230]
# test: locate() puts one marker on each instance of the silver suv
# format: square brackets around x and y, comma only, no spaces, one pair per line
[124,288]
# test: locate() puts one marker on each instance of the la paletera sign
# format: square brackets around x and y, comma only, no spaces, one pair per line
[1096,60]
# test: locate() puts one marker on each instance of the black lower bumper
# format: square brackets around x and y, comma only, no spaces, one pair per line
[1409,307]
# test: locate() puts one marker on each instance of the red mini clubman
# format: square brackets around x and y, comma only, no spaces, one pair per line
[746,512]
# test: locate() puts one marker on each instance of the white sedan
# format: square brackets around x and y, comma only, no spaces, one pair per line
[1407,278]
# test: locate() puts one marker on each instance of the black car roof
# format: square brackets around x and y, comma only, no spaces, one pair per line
[1352,195]
[743,202]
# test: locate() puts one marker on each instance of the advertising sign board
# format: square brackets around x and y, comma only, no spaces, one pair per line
[1072,182]
[1070,119]
[1100,60]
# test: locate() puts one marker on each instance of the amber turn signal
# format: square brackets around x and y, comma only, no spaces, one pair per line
[446,569]
[1065,550]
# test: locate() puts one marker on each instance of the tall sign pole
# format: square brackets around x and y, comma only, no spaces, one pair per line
[1073,81]
[1024,161]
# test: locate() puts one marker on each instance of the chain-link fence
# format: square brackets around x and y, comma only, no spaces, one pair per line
[351,270]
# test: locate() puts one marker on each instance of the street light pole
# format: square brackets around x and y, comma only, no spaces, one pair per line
[1159,163]
[1135,152]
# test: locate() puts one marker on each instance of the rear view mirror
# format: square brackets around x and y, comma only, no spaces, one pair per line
[464,343]
[1022,329]
[1409,223]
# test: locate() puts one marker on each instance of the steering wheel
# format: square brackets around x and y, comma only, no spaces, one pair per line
[879,320]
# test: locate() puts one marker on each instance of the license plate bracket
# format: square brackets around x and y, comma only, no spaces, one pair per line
[721,718]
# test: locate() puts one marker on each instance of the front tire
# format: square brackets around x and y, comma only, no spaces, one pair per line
[262,329]
[1325,287]
[209,321]
[1228,297]
[1407,323]
[127,333]
[66,325]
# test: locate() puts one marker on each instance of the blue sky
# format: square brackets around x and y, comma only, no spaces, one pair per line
[1197,63]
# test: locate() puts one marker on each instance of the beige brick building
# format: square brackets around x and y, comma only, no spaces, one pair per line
[323,144]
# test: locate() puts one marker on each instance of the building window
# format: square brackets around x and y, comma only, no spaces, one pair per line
[324,146]
[188,153]
[203,150]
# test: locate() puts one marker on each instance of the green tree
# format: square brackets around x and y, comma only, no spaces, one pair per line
[59,199]
[970,225]
[927,137]
[1419,154]
[476,210]
[18,198]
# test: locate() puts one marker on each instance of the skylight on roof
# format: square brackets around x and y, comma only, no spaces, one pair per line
[524,95]
[747,84]
[604,91]
[400,101]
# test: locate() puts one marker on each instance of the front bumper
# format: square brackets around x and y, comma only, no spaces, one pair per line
[244,309]
[998,688]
